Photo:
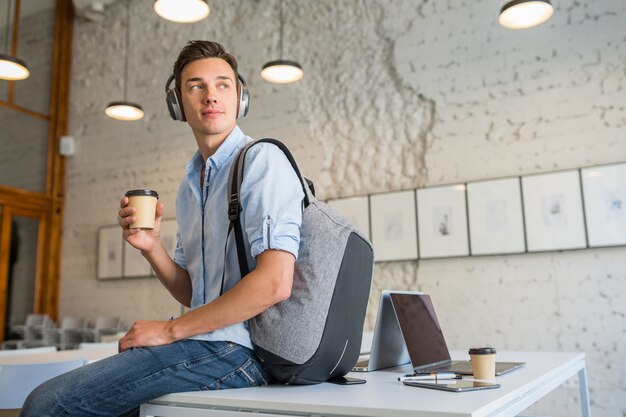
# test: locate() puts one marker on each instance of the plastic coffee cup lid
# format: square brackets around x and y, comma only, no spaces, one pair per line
[148,193]
[482,351]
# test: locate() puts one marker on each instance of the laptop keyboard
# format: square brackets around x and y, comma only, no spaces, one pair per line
[461,367]
[458,367]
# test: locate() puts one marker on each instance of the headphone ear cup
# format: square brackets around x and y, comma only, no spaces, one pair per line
[174,105]
[244,101]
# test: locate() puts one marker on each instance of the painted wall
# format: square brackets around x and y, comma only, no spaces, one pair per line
[395,96]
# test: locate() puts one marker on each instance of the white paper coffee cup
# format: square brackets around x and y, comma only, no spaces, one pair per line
[145,202]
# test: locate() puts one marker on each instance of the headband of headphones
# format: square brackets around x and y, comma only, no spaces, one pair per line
[175,106]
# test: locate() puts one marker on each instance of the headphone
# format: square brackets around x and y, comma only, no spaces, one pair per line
[175,107]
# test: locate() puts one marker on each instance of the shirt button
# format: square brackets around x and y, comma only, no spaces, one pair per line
[268,221]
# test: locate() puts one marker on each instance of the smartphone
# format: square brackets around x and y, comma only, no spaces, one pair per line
[346,380]
[458,386]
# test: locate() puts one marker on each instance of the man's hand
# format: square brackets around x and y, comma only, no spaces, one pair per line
[147,333]
[142,239]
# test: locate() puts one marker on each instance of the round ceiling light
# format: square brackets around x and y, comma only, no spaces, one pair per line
[182,11]
[13,69]
[282,72]
[523,14]
[124,110]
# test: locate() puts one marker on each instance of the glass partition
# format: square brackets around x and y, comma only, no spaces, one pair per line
[22,270]
[24,145]
[33,113]
[35,46]
[4,90]
[24,116]
[6,29]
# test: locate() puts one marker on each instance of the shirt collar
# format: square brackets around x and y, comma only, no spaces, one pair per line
[233,141]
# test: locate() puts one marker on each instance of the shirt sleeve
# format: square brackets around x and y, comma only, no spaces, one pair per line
[271,198]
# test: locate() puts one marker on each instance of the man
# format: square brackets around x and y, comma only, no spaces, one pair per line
[209,347]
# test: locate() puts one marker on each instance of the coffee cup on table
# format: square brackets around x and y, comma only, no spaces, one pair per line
[145,202]
[483,362]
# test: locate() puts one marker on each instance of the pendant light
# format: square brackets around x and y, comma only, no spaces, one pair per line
[281,71]
[523,14]
[11,68]
[124,109]
[182,11]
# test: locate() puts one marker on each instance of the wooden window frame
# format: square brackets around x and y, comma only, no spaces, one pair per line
[49,205]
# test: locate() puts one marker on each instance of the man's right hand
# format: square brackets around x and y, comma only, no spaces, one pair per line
[142,239]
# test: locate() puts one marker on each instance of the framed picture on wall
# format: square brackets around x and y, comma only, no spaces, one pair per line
[135,265]
[442,221]
[355,209]
[394,234]
[604,191]
[496,223]
[553,211]
[110,246]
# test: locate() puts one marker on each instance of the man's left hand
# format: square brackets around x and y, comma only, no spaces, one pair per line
[147,333]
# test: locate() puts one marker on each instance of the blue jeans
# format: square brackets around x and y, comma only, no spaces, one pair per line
[118,385]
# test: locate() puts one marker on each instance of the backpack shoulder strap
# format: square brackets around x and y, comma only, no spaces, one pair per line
[235,179]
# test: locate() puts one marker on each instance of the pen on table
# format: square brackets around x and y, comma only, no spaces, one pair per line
[431,381]
[431,377]
[440,374]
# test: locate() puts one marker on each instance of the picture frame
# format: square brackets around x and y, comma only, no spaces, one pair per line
[110,253]
[393,224]
[604,198]
[442,221]
[495,216]
[553,211]
[355,209]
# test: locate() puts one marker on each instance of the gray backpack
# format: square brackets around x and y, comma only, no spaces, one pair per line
[314,335]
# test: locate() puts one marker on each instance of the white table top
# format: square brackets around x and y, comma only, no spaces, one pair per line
[383,395]
[90,355]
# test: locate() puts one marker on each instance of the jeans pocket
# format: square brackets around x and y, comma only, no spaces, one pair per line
[251,373]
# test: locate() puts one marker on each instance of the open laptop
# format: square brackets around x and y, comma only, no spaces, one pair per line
[388,347]
[424,338]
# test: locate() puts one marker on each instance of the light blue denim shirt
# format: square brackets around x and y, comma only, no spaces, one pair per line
[271,198]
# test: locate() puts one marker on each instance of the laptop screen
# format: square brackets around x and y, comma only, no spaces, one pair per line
[420,328]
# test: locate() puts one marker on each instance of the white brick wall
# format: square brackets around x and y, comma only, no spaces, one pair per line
[396,95]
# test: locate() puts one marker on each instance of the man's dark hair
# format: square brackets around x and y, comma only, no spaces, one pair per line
[195,50]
